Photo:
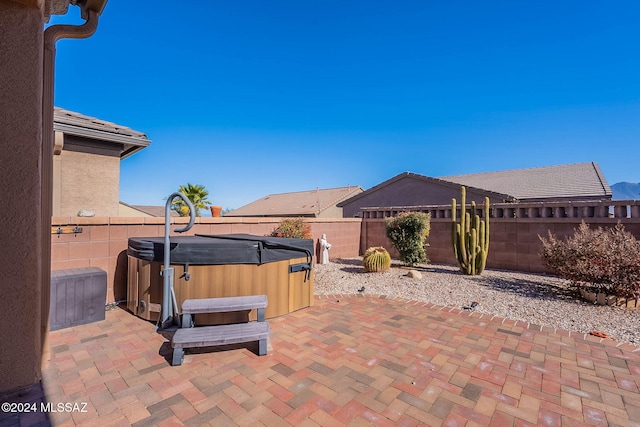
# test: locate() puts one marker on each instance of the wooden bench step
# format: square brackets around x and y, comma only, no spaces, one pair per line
[206,336]
[221,305]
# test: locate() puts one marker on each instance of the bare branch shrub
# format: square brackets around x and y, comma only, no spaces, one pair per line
[602,260]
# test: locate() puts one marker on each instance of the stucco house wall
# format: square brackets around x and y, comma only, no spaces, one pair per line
[128,211]
[22,260]
[87,177]
[26,180]
[331,212]
[86,162]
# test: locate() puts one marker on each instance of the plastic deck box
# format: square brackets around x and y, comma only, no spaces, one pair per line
[78,296]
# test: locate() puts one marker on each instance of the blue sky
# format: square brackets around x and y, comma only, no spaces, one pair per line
[250,98]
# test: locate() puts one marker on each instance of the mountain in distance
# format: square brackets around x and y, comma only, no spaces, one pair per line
[625,191]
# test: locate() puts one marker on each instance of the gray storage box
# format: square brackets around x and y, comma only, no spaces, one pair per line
[78,296]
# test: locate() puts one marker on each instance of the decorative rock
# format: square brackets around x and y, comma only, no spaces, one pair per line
[414,274]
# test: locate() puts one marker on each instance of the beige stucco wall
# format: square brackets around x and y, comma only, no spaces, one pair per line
[21,263]
[126,211]
[87,181]
[332,212]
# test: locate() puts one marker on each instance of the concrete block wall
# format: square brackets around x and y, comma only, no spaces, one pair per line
[439,250]
[103,241]
[343,234]
[514,243]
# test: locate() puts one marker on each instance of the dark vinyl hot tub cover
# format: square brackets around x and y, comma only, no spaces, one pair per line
[208,249]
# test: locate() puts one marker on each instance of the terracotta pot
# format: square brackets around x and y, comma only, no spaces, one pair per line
[215,211]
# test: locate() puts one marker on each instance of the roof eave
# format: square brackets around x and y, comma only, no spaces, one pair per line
[603,180]
[132,144]
[132,150]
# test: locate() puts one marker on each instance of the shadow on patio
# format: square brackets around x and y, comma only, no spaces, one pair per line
[348,360]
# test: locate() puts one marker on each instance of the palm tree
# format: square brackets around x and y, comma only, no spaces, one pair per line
[196,194]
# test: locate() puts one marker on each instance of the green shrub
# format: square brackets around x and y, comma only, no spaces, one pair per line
[601,260]
[295,228]
[376,259]
[408,232]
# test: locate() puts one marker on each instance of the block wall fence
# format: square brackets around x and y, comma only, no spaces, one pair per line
[103,241]
[514,228]
[514,242]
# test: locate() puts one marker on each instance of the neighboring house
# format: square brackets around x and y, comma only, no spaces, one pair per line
[143,211]
[314,203]
[86,163]
[412,189]
[582,181]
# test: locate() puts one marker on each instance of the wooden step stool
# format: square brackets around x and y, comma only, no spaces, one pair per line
[205,336]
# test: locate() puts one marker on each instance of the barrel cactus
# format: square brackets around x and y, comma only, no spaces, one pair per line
[376,259]
[470,237]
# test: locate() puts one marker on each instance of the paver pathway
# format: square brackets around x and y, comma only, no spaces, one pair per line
[348,360]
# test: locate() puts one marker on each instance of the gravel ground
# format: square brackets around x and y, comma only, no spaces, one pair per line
[535,298]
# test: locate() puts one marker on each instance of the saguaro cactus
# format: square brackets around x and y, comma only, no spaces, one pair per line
[470,237]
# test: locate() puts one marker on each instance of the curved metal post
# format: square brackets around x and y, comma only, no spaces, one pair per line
[169,306]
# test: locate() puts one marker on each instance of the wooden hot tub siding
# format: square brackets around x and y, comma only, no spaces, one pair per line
[287,292]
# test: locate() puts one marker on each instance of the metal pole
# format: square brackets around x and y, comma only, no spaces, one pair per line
[166,317]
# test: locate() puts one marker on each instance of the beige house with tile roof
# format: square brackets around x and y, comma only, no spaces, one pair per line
[86,163]
[581,181]
[144,211]
[313,203]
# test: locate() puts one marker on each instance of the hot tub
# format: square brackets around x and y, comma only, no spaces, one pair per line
[222,266]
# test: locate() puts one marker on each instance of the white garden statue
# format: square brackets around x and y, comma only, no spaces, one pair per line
[324,248]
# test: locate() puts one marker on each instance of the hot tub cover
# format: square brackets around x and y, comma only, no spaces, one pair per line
[204,249]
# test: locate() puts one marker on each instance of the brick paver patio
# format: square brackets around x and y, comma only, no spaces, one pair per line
[348,360]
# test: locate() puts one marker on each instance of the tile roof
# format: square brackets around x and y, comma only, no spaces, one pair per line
[301,203]
[564,181]
[78,124]
[424,178]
